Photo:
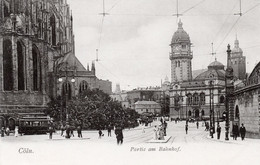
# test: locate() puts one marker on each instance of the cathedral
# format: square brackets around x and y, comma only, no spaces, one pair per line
[201,96]
[37,58]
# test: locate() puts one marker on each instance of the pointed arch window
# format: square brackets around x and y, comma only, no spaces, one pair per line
[7,65]
[83,86]
[6,11]
[21,65]
[53,30]
[196,99]
[202,99]
[189,96]
[66,90]
[36,69]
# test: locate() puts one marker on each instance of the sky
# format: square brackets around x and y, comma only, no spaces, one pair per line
[133,40]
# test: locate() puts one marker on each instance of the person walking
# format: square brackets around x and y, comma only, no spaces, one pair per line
[67,131]
[197,124]
[218,131]
[155,130]
[109,131]
[235,131]
[79,130]
[51,130]
[71,130]
[99,133]
[2,132]
[186,128]
[16,131]
[7,131]
[62,130]
[242,131]
[119,135]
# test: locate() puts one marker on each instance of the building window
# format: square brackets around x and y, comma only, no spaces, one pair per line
[66,90]
[83,86]
[6,11]
[7,65]
[189,96]
[36,69]
[21,65]
[53,30]
[222,99]
[202,98]
[196,99]
[183,46]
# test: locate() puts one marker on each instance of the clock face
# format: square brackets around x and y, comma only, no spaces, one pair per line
[177,48]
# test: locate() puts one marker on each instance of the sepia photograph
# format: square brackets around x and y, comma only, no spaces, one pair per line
[135,82]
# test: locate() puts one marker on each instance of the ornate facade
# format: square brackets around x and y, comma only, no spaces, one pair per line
[181,56]
[37,50]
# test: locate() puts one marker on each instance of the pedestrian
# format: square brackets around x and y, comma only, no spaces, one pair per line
[7,131]
[164,127]
[99,133]
[161,133]
[2,132]
[235,131]
[16,131]
[71,130]
[109,131]
[218,131]
[242,131]
[155,130]
[186,128]
[67,131]
[211,131]
[51,130]
[143,131]
[197,125]
[119,135]
[62,130]
[79,130]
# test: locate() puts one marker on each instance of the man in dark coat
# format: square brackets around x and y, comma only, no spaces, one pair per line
[79,130]
[186,128]
[119,135]
[218,131]
[242,131]
[109,130]
[235,131]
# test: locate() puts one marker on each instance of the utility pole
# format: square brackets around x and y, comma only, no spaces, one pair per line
[240,10]
[177,10]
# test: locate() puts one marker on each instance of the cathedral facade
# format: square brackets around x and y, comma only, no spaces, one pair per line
[36,51]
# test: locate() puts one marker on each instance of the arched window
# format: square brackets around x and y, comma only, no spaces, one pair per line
[21,65]
[196,99]
[202,113]
[7,65]
[66,90]
[237,112]
[189,113]
[222,99]
[6,11]
[179,64]
[36,69]
[189,96]
[202,98]
[83,86]
[53,30]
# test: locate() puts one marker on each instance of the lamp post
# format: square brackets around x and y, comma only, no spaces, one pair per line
[212,114]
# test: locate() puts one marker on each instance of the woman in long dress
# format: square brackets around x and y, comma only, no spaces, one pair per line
[155,133]
[16,131]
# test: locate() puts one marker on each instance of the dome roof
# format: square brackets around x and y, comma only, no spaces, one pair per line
[211,74]
[180,35]
[216,65]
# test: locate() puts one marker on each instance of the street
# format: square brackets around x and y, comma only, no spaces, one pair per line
[196,146]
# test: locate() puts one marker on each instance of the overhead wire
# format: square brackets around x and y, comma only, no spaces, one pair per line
[193,6]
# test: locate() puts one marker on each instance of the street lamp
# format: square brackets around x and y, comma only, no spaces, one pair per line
[212,114]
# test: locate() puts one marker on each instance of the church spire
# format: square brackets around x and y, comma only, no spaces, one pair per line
[180,24]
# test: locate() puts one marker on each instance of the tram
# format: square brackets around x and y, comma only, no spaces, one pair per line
[34,124]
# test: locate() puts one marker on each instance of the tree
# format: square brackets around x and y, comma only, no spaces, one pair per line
[94,109]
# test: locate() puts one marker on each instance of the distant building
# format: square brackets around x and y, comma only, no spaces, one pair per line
[147,107]
[238,62]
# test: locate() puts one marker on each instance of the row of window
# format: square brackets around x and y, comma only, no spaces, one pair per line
[67,90]
[8,67]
